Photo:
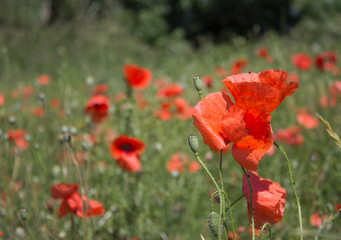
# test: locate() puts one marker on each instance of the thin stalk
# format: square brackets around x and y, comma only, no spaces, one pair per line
[212,196]
[250,205]
[27,230]
[262,230]
[73,227]
[216,186]
[230,212]
[234,202]
[293,187]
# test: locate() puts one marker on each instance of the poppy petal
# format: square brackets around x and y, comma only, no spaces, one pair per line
[63,190]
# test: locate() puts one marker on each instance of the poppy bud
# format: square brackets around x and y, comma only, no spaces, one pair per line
[41,97]
[213,223]
[23,214]
[197,83]
[193,143]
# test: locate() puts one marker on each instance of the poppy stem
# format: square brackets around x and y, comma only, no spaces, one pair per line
[262,230]
[293,187]
[250,205]
[73,227]
[234,202]
[218,190]
[230,212]
[129,111]
[212,196]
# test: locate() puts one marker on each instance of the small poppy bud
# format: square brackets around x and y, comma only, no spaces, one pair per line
[23,214]
[197,83]
[193,143]
[213,223]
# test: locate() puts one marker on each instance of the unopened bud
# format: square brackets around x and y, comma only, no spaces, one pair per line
[193,143]
[23,214]
[197,83]
[213,223]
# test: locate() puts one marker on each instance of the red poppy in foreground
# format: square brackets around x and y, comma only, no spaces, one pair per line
[97,107]
[18,136]
[126,152]
[245,123]
[137,77]
[301,61]
[72,202]
[268,87]
[268,200]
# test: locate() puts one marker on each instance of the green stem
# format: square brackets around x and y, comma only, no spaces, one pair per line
[212,196]
[27,230]
[200,94]
[234,202]
[293,187]
[262,230]
[216,186]
[230,212]
[250,205]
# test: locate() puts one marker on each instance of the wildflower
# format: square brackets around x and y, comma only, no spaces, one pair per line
[141,101]
[208,80]
[72,201]
[126,152]
[100,89]
[268,87]
[221,72]
[137,77]
[178,163]
[54,103]
[306,120]
[43,79]
[291,135]
[170,90]
[238,66]
[183,109]
[164,113]
[262,52]
[316,220]
[268,199]
[37,111]
[2,100]
[327,61]
[97,107]
[301,61]
[18,136]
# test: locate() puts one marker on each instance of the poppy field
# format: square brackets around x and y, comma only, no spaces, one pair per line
[103,136]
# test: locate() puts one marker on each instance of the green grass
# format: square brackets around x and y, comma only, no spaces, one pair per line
[151,204]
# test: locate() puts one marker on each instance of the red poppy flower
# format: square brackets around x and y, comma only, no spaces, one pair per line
[301,61]
[268,87]
[238,66]
[207,81]
[268,199]
[137,77]
[2,100]
[193,167]
[43,79]
[97,107]
[183,109]
[100,89]
[1,233]
[168,91]
[164,113]
[141,101]
[291,135]
[262,52]
[327,61]
[126,152]
[316,220]
[245,123]
[18,136]
[293,77]
[178,163]
[337,207]
[306,120]
[37,111]
[27,91]
[221,72]
[72,202]
[54,103]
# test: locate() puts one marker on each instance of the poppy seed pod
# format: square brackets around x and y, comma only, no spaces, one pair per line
[197,83]
[23,214]
[193,143]
[213,223]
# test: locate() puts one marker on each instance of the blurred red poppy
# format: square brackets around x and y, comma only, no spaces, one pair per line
[54,103]
[268,87]
[293,77]
[18,136]
[164,113]
[183,109]
[126,152]
[221,72]
[43,79]
[268,200]
[97,107]
[27,91]
[316,220]
[337,207]
[207,81]
[2,100]
[291,135]
[178,163]
[37,111]
[245,123]
[238,66]
[141,101]
[301,61]
[306,120]
[170,90]
[137,77]
[327,61]
[72,201]
[262,52]
[100,89]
